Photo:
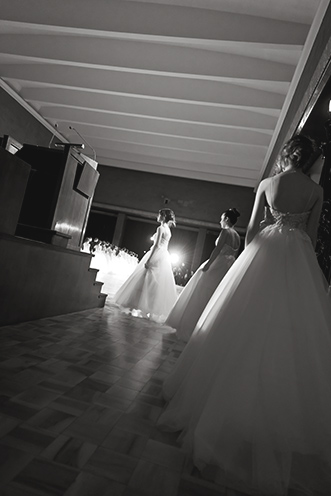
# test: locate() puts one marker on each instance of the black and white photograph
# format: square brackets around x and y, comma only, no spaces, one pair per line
[165,248]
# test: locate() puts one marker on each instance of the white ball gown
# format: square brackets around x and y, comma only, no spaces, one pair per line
[251,391]
[197,292]
[151,292]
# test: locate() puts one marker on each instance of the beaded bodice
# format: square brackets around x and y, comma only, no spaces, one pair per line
[285,219]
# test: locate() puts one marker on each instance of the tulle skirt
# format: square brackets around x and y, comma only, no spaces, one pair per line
[251,391]
[151,292]
[195,296]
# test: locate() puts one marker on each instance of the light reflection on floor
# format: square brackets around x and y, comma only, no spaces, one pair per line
[80,395]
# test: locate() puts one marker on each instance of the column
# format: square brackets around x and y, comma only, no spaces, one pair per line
[199,248]
[119,229]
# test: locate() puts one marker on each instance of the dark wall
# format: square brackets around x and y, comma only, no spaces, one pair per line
[189,198]
[20,124]
[101,226]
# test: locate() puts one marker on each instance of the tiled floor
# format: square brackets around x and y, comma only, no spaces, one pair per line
[80,396]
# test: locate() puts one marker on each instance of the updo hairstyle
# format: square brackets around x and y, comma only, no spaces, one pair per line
[299,150]
[232,215]
[168,215]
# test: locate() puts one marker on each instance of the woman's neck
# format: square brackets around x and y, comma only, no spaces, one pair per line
[291,168]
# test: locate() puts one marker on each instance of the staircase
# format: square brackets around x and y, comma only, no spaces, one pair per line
[42,280]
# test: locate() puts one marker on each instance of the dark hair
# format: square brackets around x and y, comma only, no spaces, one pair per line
[300,150]
[232,214]
[168,215]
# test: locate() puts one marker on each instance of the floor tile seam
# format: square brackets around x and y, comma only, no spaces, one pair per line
[63,464]
[59,433]
[38,430]
[40,458]
[162,464]
[34,404]
[148,493]
[50,407]
[200,481]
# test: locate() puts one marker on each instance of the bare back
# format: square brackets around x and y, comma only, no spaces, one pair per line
[291,192]
[232,241]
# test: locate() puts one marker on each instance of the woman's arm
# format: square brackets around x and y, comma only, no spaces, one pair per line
[314,218]
[220,243]
[155,246]
[257,212]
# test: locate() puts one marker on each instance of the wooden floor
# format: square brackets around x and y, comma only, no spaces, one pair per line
[80,395]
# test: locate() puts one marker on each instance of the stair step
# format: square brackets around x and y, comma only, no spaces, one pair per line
[102,299]
[93,270]
[98,283]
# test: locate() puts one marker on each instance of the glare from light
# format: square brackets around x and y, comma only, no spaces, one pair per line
[329,105]
[174,257]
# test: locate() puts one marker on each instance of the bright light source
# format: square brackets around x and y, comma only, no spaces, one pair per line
[329,105]
[174,257]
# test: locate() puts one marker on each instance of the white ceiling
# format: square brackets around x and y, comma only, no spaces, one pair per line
[190,88]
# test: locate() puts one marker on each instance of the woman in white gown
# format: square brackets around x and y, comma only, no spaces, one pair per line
[195,295]
[251,391]
[150,291]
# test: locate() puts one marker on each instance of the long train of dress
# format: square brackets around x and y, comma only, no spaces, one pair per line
[251,391]
[197,292]
[151,292]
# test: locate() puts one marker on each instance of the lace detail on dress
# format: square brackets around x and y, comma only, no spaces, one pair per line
[285,219]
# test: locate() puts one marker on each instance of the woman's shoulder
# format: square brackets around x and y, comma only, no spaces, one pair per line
[226,233]
[263,185]
[318,187]
[229,237]
[319,191]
